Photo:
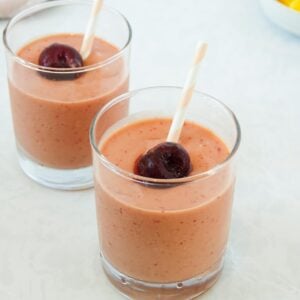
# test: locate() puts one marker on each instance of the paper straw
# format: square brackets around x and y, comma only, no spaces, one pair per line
[187,94]
[88,39]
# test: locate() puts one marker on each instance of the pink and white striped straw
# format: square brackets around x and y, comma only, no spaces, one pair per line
[89,35]
[187,94]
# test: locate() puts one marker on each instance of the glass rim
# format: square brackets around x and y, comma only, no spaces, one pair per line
[45,5]
[153,181]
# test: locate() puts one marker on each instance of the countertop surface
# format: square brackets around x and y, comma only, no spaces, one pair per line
[48,239]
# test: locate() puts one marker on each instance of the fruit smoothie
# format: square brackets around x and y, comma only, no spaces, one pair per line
[52,117]
[170,233]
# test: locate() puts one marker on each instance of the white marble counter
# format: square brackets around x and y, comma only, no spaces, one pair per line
[48,241]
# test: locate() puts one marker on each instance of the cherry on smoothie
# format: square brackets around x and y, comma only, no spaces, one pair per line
[164,161]
[60,56]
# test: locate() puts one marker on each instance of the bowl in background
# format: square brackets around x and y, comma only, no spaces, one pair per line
[9,7]
[282,15]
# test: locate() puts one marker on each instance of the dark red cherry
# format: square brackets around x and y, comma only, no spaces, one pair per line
[60,56]
[164,161]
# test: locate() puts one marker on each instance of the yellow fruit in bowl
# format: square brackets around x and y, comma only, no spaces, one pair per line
[286,2]
[295,5]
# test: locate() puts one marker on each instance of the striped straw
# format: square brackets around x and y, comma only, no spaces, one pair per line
[187,94]
[88,39]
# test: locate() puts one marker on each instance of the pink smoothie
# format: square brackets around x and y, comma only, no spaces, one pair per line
[163,234]
[52,118]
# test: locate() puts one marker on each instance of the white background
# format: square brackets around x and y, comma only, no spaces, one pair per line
[48,239]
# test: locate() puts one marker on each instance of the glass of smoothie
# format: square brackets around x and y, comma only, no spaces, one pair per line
[52,107]
[163,238]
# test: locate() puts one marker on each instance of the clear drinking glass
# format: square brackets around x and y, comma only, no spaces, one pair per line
[52,117]
[163,238]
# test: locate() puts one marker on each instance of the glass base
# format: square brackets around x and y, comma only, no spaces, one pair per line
[60,179]
[136,289]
